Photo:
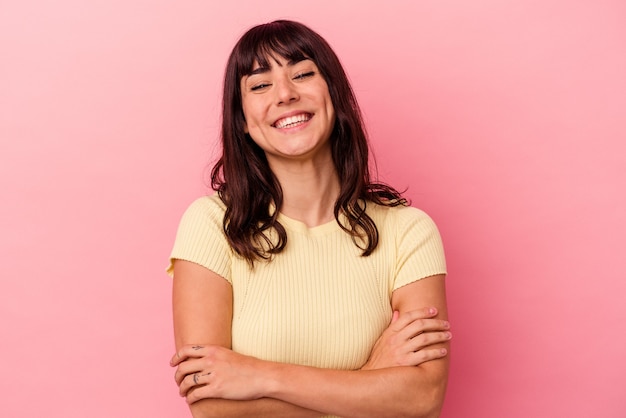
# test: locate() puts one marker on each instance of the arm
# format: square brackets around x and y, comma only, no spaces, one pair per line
[433,375]
[202,307]
[394,392]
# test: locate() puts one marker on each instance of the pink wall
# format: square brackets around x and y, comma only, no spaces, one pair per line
[505,118]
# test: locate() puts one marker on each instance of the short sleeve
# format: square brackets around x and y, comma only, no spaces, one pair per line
[200,237]
[420,248]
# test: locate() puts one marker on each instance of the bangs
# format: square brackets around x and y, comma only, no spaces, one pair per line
[268,42]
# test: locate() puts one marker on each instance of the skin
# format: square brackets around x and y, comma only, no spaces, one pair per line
[406,373]
[233,385]
[288,88]
[300,157]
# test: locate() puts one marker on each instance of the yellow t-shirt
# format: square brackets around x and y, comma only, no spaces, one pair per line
[319,302]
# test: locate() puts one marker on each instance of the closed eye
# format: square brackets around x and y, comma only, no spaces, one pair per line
[304,75]
[259,86]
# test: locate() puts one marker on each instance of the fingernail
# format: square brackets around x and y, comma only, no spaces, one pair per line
[432,311]
[448,335]
[444,351]
[446,324]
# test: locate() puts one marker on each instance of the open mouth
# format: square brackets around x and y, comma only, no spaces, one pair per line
[292,121]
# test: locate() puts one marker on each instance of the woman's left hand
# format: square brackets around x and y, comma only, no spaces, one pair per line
[209,371]
[412,338]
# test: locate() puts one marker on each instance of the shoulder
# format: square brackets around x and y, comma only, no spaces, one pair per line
[400,217]
[207,204]
[203,218]
[204,209]
[200,236]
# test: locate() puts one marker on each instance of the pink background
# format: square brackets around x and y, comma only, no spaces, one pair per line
[506,120]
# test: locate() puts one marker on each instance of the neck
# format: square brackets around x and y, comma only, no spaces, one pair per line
[310,190]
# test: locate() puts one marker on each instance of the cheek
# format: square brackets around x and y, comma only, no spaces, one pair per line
[250,116]
[245,119]
[330,109]
[244,122]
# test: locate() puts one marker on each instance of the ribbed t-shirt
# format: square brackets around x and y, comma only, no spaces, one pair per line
[319,302]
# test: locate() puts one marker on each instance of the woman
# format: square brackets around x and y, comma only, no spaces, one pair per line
[301,288]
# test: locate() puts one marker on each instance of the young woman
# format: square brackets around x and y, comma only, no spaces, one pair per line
[302,288]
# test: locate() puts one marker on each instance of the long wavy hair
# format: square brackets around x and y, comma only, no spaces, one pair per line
[242,176]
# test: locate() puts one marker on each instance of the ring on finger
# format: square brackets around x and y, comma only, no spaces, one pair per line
[195,378]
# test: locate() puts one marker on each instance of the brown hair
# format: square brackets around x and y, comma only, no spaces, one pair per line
[242,176]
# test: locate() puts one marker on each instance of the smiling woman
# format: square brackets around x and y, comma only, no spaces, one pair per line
[302,288]
[288,111]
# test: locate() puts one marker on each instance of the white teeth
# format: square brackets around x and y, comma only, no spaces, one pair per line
[292,121]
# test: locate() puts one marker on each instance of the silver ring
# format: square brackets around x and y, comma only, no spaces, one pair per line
[195,378]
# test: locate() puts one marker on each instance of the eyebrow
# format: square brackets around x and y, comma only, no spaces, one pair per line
[263,70]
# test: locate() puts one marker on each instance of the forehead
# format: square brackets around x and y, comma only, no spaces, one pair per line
[275,61]
[269,54]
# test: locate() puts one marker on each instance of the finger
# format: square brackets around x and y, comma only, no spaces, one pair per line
[422,325]
[395,316]
[427,325]
[422,356]
[185,385]
[188,367]
[186,352]
[408,317]
[427,339]
[192,382]
[199,393]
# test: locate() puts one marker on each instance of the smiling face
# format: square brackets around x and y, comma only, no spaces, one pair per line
[288,110]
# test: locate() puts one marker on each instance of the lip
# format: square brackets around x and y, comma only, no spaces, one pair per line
[292,113]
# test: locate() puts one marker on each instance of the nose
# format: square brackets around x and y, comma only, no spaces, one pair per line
[286,91]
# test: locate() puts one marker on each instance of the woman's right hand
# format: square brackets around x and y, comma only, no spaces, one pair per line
[410,340]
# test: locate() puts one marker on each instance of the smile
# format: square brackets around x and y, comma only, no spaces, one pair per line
[292,121]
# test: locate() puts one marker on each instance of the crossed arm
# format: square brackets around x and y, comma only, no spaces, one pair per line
[406,374]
